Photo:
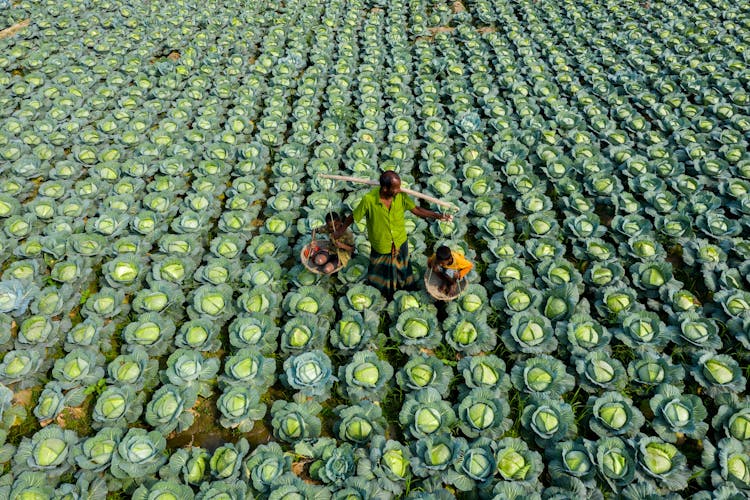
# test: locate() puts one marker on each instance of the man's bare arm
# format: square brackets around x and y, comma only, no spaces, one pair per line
[429,214]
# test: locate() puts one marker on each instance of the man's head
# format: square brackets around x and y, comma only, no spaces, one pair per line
[390,184]
[443,255]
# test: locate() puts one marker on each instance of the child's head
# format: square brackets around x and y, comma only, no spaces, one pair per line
[332,220]
[443,255]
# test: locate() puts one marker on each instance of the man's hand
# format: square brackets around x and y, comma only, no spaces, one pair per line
[429,214]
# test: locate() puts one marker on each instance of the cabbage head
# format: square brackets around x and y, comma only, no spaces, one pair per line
[651,369]
[250,369]
[21,366]
[365,377]
[361,297]
[265,465]
[309,299]
[416,329]
[331,463]
[353,331]
[386,462]
[469,333]
[49,450]
[677,415]
[662,462]
[530,333]
[425,413]
[359,423]
[615,462]
[548,420]
[311,373]
[718,373]
[169,408]
[304,332]
[117,406]
[542,375]
[240,408]
[475,467]
[226,462]
[95,452]
[613,414]
[256,331]
[52,401]
[572,461]
[598,370]
[163,489]
[483,413]
[293,421]
[732,418]
[434,455]
[581,334]
[425,371]
[136,370]
[79,368]
[515,462]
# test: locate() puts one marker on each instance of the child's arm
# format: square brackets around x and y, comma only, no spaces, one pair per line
[432,264]
[348,221]
[345,242]
[463,265]
[343,246]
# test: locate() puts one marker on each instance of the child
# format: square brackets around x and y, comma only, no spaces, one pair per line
[450,266]
[344,244]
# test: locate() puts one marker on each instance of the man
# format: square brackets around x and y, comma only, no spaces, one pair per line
[383,208]
[450,266]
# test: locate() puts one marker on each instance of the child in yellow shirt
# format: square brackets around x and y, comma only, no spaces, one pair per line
[450,266]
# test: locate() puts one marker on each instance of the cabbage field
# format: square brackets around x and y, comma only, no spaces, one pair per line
[159,175]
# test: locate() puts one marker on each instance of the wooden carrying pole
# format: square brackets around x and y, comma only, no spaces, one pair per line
[415,194]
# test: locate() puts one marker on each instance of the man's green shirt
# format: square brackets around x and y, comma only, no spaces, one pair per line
[384,227]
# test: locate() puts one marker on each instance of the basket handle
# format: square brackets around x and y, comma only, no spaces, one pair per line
[313,243]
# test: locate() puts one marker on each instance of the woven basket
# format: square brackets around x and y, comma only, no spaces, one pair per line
[432,284]
[310,249]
